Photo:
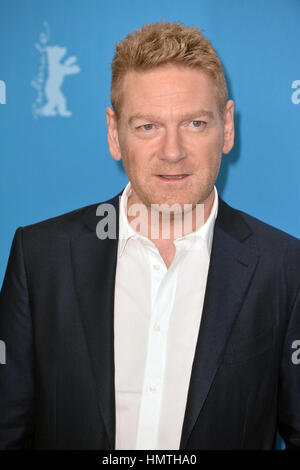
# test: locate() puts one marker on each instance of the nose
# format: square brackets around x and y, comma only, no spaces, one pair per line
[172,147]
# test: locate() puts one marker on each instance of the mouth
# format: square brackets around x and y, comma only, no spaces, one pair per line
[173,178]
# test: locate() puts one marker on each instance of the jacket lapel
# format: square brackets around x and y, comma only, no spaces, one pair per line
[232,266]
[94,265]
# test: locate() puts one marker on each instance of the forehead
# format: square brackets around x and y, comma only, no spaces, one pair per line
[168,90]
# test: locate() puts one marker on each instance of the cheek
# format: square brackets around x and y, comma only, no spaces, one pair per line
[213,150]
[133,161]
[207,154]
[137,156]
[209,142]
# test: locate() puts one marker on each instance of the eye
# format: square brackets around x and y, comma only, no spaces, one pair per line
[146,127]
[198,123]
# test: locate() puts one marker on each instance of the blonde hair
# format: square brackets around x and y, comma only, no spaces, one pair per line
[162,43]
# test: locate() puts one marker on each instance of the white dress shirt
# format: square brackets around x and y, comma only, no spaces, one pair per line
[156,323]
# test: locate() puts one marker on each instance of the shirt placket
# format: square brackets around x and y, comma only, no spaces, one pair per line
[163,285]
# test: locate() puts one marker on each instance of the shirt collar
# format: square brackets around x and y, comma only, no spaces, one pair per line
[126,231]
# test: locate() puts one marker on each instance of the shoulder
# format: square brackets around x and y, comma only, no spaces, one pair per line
[274,246]
[64,226]
[263,233]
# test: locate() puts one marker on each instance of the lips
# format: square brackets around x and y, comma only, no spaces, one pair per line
[178,177]
[173,176]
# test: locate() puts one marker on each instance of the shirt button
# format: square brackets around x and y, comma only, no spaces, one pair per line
[152,389]
[156,267]
[144,242]
[157,327]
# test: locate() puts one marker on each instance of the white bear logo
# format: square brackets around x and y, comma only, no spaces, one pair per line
[57,103]
[50,99]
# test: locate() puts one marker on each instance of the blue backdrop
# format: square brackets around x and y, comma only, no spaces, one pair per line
[55,85]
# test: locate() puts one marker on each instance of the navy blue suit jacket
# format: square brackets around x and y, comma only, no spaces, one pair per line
[57,317]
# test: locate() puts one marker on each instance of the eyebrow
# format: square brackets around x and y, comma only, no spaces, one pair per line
[151,117]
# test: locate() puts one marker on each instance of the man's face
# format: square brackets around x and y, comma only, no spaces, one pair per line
[170,135]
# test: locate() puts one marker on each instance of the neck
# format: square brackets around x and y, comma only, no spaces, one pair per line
[167,225]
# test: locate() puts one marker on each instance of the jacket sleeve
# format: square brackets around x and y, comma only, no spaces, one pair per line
[16,373]
[289,383]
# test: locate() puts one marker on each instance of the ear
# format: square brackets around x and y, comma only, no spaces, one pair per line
[228,127]
[112,134]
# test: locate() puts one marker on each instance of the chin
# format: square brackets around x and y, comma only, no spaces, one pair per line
[175,202]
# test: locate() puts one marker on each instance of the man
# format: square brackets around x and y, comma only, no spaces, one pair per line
[148,341]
